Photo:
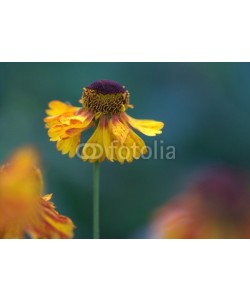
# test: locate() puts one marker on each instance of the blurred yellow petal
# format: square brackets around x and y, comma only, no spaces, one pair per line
[49,224]
[12,232]
[47,197]
[22,208]
[25,157]
[20,174]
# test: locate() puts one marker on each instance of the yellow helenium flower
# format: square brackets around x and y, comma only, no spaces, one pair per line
[23,209]
[104,104]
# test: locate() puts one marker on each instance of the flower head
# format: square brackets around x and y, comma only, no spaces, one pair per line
[104,103]
[216,205]
[23,209]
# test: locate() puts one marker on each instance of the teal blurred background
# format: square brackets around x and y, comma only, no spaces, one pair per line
[205,108]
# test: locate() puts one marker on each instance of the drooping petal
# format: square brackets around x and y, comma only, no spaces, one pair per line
[119,129]
[107,139]
[147,127]
[133,140]
[99,146]
[128,145]
[69,145]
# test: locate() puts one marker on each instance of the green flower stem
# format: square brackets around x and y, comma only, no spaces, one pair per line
[96,201]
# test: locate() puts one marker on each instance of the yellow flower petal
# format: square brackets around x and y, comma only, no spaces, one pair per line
[68,127]
[99,146]
[57,107]
[57,111]
[147,127]
[107,139]
[66,131]
[128,145]
[119,129]
[69,145]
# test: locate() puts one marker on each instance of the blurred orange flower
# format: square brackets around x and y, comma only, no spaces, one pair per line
[23,211]
[217,205]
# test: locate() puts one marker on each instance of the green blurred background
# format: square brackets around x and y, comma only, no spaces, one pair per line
[205,108]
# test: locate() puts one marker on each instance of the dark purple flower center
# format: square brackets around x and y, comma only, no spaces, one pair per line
[106,87]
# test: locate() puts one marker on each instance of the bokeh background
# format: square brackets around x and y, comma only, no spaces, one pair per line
[205,108]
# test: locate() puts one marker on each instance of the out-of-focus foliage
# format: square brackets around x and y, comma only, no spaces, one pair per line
[205,108]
